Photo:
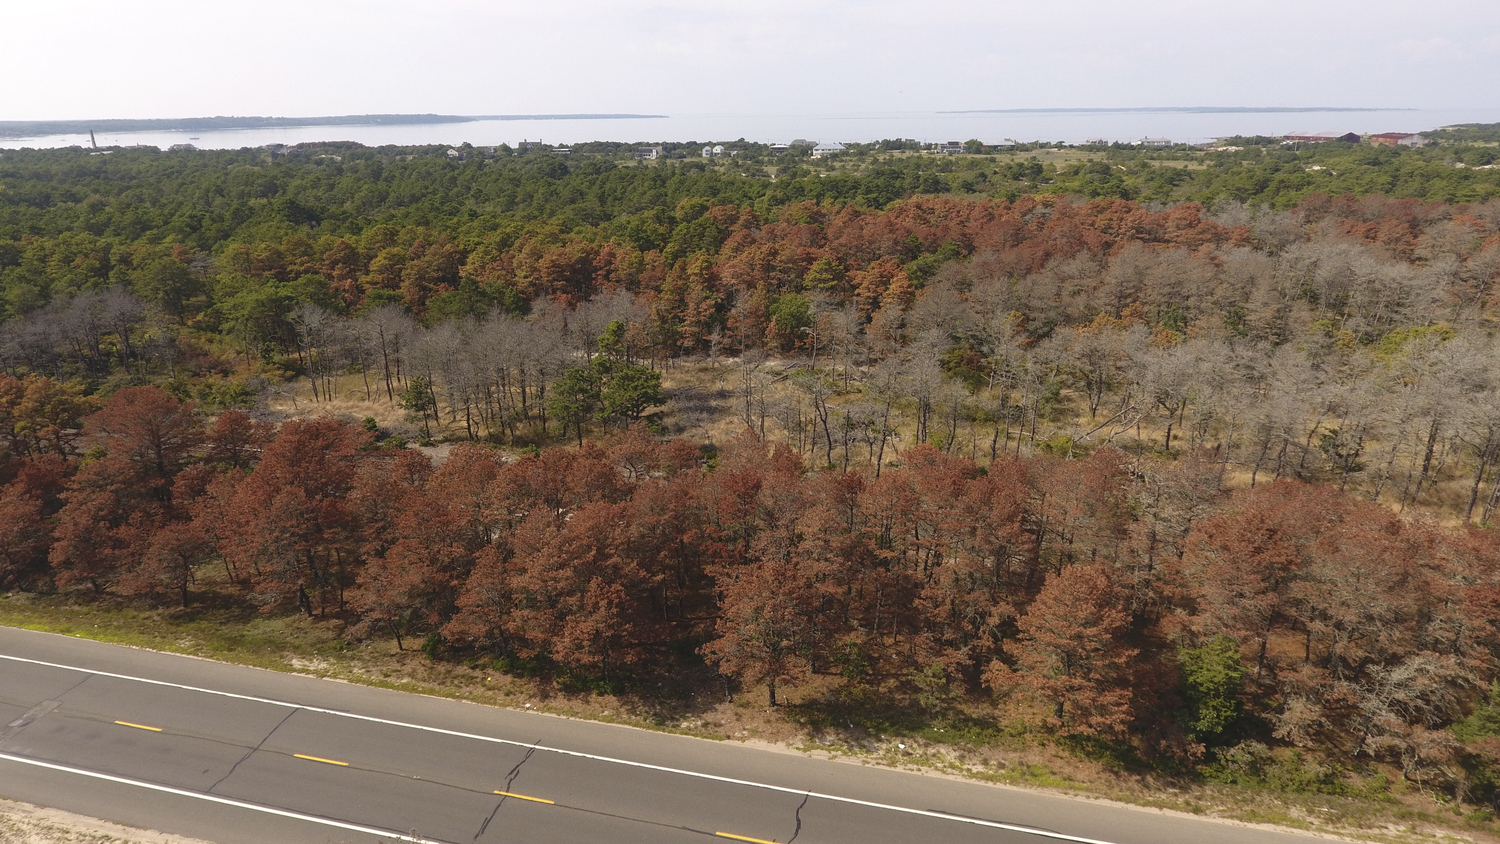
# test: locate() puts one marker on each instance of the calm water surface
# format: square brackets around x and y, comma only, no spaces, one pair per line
[1070,127]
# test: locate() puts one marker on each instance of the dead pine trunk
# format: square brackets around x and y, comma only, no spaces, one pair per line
[1432,438]
[1484,465]
[1490,503]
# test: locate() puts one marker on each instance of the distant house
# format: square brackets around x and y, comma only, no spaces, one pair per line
[648,153]
[1320,137]
[708,152]
[1096,142]
[718,150]
[951,147]
[562,151]
[827,148]
[1398,139]
[1154,142]
[456,155]
[779,148]
[527,146]
[803,142]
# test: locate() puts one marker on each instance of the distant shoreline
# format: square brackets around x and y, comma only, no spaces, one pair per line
[33,128]
[1169,110]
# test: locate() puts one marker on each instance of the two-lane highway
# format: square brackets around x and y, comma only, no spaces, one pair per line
[232,754]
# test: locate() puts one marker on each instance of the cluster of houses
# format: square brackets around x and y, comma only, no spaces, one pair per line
[1388,139]
[819,149]
[823,149]
[1384,139]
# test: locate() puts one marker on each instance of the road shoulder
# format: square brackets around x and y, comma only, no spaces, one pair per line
[24,823]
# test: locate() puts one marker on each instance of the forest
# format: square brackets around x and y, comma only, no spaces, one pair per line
[1202,472]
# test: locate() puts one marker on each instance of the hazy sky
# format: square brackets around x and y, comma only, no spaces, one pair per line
[176,58]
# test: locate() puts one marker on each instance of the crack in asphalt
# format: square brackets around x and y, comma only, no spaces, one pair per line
[509,779]
[493,813]
[798,831]
[28,718]
[250,752]
[516,771]
[31,715]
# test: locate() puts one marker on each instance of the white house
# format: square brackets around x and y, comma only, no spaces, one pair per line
[1155,142]
[648,153]
[827,148]
[951,147]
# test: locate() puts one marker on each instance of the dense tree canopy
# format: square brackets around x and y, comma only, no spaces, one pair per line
[1157,475]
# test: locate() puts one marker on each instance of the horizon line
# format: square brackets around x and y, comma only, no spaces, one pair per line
[1175,110]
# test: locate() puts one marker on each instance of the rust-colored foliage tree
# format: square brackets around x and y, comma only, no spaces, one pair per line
[968,602]
[435,523]
[107,519]
[167,562]
[577,587]
[1071,651]
[763,630]
[27,505]
[152,430]
[234,440]
[292,532]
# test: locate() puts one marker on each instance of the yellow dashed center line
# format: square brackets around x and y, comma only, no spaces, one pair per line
[321,759]
[524,797]
[139,726]
[743,838]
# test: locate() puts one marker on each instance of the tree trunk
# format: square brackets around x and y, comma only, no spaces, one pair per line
[1484,464]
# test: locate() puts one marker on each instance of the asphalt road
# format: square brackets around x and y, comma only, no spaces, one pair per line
[232,754]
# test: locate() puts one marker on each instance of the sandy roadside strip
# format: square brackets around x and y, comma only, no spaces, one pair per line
[23,823]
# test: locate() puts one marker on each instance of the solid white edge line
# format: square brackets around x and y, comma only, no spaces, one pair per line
[1042,833]
[239,804]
